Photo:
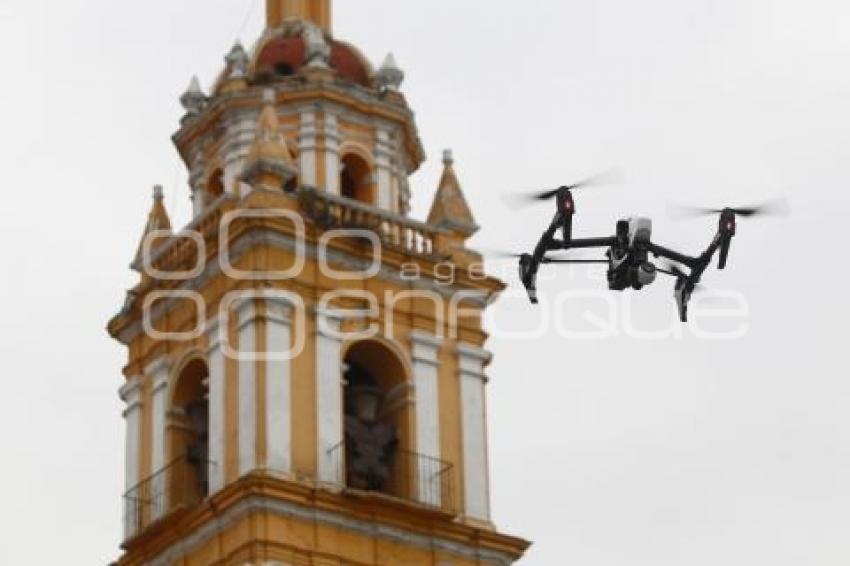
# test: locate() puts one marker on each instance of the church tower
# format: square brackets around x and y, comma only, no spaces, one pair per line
[305,381]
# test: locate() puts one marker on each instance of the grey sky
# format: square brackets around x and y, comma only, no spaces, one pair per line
[605,453]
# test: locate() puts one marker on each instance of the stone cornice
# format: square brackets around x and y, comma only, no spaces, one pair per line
[403,523]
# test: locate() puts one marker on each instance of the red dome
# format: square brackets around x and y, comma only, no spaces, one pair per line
[348,64]
[282,56]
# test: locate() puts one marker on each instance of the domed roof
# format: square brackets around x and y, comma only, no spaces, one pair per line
[281,56]
[285,55]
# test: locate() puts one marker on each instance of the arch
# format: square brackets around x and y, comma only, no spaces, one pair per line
[188,431]
[355,177]
[378,413]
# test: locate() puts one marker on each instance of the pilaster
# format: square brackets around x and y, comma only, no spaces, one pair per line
[426,349]
[217,383]
[329,395]
[476,481]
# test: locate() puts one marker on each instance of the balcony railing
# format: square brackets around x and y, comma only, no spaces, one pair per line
[181,484]
[412,477]
[395,231]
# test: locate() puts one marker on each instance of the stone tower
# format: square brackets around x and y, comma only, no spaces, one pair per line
[305,381]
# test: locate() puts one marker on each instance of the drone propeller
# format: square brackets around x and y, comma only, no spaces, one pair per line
[609,177]
[510,255]
[775,207]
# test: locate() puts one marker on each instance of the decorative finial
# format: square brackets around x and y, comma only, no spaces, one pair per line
[269,162]
[193,99]
[318,50]
[450,209]
[158,193]
[238,61]
[389,76]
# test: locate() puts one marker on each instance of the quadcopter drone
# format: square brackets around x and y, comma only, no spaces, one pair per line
[630,249]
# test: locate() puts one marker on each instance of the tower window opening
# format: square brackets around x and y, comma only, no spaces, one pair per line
[356,179]
[376,422]
[189,436]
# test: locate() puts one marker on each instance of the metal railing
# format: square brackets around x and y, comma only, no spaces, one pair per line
[412,477]
[181,484]
[394,230]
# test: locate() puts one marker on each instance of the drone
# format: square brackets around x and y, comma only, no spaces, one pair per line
[631,248]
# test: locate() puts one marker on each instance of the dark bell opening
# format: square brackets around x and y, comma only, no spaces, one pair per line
[284,70]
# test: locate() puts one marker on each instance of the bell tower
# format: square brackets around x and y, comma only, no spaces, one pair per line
[306,365]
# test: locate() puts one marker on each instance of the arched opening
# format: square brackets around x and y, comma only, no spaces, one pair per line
[356,179]
[215,186]
[189,436]
[377,421]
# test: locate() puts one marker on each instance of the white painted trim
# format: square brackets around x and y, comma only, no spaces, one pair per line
[247,406]
[217,385]
[158,373]
[471,362]
[332,145]
[278,387]
[329,395]
[131,394]
[383,166]
[426,378]
[307,148]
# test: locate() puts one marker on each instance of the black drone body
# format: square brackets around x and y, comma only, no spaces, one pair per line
[629,250]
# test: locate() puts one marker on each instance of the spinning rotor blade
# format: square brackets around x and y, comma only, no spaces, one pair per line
[547,260]
[609,177]
[502,255]
[511,255]
[775,207]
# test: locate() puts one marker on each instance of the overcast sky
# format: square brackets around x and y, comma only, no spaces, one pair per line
[606,452]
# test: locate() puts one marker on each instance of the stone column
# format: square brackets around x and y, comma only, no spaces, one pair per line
[329,399]
[157,372]
[216,384]
[426,348]
[131,394]
[278,386]
[471,362]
